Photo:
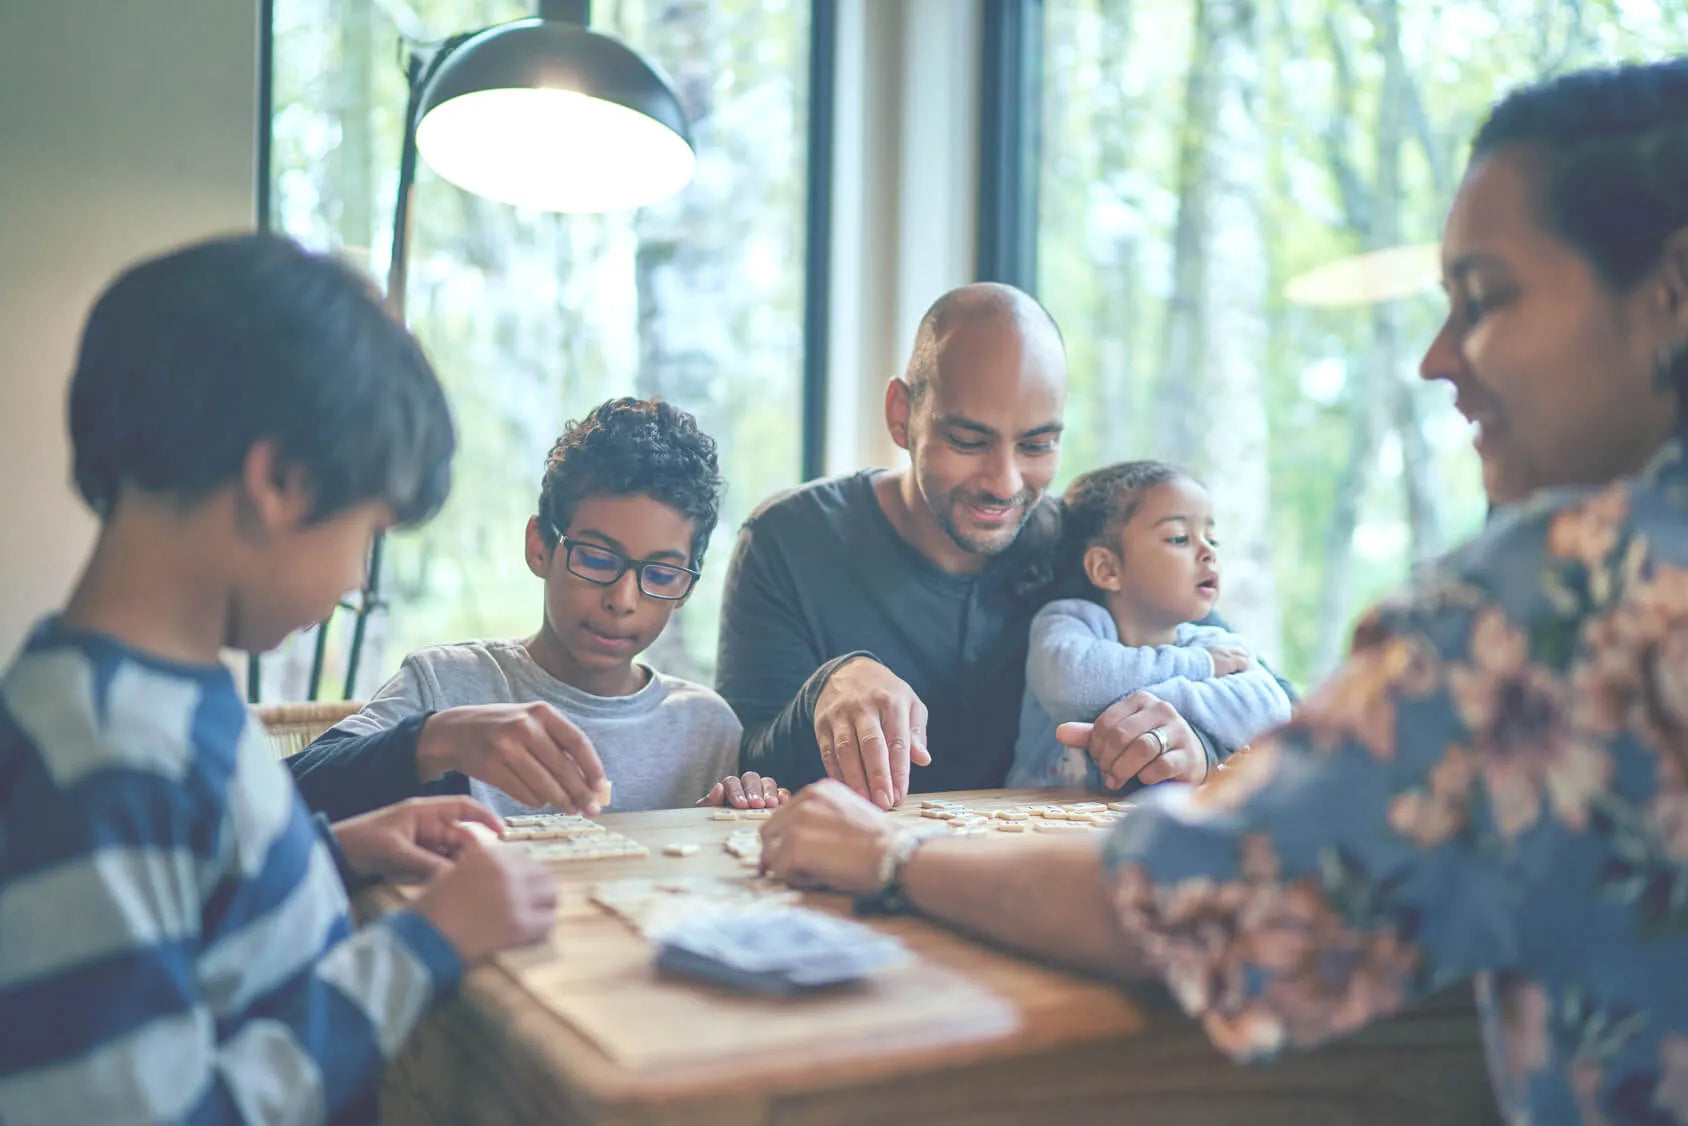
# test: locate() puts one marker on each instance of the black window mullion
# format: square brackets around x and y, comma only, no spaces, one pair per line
[817,252]
[266,112]
[1010,100]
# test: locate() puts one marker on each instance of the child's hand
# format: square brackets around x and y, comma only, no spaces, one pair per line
[418,837]
[530,751]
[1228,659]
[496,896]
[747,791]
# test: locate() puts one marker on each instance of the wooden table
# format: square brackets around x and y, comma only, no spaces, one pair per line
[584,1031]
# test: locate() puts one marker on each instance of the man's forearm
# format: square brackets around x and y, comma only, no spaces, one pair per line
[1042,896]
[783,744]
[772,746]
[342,775]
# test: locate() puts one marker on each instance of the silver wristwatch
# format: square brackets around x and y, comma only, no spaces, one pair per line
[891,898]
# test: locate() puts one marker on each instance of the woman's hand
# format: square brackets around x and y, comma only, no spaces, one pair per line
[828,836]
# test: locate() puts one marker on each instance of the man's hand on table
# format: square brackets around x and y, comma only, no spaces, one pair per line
[749,790]
[828,836]
[530,751]
[415,838]
[1142,737]
[870,726]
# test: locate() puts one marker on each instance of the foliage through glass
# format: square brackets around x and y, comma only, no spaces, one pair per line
[534,318]
[1198,155]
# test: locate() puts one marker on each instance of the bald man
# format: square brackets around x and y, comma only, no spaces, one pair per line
[876,621]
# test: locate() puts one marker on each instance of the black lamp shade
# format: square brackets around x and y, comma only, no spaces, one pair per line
[547,114]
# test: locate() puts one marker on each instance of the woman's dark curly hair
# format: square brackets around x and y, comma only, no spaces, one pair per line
[1613,147]
[1093,510]
[633,447]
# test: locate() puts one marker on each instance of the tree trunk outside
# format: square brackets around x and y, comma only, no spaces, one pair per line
[1384,385]
[1419,479]
[1218,321]
[1118,300]
[1183,360]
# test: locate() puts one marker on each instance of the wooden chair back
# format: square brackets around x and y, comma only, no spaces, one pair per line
[292,727]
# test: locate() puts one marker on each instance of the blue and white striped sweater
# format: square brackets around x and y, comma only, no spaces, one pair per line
[174,937]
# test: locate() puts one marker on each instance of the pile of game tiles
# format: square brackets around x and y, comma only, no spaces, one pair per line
[1066,817]
[563,836]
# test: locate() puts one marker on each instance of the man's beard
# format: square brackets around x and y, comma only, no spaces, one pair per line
[996,543]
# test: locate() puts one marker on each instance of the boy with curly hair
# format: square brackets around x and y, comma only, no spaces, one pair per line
[629,499]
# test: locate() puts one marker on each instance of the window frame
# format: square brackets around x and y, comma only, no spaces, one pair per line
[1010,141]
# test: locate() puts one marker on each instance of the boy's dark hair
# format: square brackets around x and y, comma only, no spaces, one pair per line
[1093,510]
[633,447]
[1614,147]
[191,358]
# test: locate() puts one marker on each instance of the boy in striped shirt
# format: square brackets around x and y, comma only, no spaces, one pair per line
[174,937]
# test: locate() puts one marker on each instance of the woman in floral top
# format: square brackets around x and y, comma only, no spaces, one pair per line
[1494,786]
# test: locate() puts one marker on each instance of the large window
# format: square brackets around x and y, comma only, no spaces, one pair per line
[1198,156]
[534,318]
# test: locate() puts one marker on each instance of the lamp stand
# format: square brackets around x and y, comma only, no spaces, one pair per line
[417,75]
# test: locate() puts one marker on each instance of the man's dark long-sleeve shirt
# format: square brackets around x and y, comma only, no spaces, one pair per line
[820,575]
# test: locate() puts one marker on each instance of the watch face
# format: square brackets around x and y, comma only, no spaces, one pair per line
[888,900]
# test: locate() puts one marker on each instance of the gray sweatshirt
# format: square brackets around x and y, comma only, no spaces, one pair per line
[663,746]
[1076,668]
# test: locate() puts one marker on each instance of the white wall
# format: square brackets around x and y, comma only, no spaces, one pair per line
[126,126]
[905,186]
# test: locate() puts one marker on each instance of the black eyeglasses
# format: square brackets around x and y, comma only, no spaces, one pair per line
[600,565]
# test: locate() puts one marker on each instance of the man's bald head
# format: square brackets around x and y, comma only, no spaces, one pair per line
[979,412]
[961,314]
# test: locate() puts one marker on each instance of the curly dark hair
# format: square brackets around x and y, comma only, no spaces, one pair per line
[1613,143]
[1093,510]
[633,447]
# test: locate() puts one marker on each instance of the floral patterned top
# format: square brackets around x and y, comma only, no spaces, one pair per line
[1493,786]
